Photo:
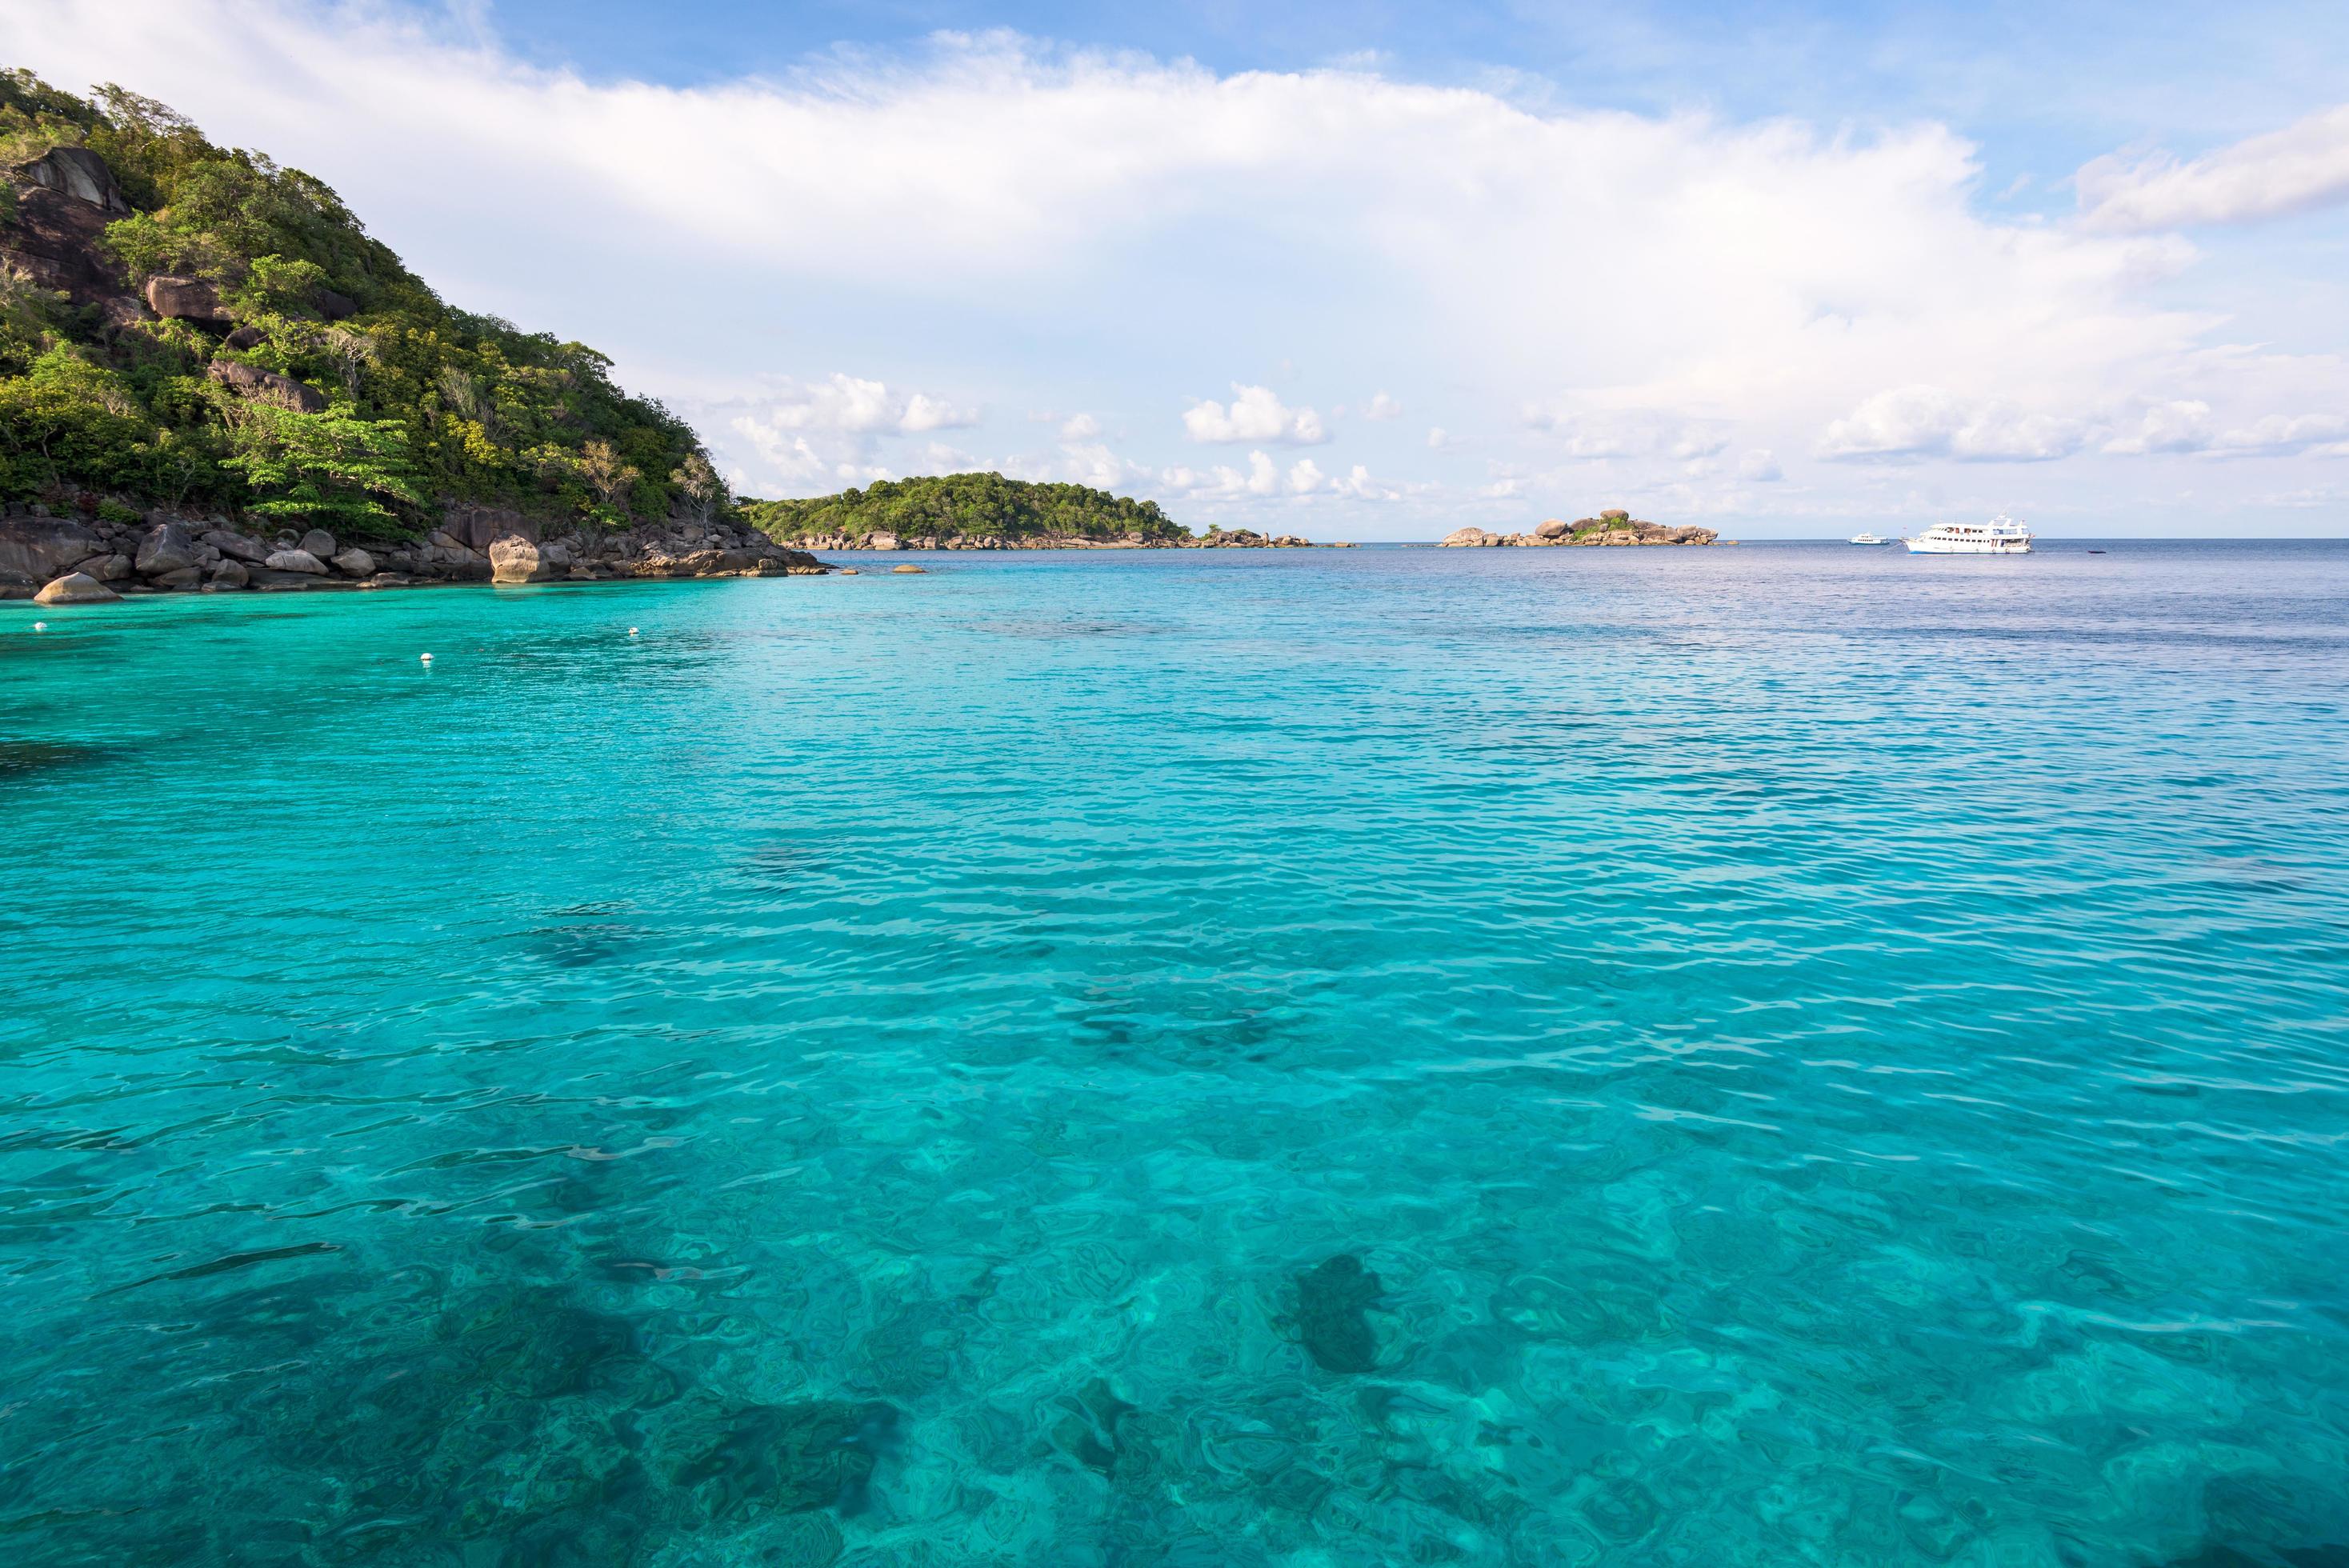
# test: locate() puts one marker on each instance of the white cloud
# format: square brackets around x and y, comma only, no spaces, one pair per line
[2179,425]
[1383,406]
[1256,414]
[1437,439]
[1760,466]
[2304,165]
[850,405]
[1912,422]
[1081,428]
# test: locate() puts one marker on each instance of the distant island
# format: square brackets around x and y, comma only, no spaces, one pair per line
[212,377]
[988,511]
[1611,527]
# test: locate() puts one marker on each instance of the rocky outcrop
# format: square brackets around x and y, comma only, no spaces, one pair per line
[472,526]
[64,200]
[514,558]
[165,549]
[78,174]
[76,588]
[34,549]
[1613,527]
[267,386]
[185,299]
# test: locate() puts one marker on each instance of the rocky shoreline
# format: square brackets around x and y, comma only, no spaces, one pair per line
[82,560]
[1611,528]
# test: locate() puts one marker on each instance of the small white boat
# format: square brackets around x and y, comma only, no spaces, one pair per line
[1866,538]
[2002,535]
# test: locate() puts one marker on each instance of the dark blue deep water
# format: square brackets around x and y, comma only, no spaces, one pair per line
[1782,1055]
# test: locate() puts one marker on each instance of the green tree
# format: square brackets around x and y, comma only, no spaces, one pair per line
[330,465]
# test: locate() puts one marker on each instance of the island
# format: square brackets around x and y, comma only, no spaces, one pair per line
[988,511]
[213,379]
[1612,527]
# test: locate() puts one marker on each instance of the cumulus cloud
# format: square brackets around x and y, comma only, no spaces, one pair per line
[2182,425]
[1908,423]
[1437,437]
[1383,406]
[1760,466]
[1255,414]
[1079,428]
[850,405]
[2304,165]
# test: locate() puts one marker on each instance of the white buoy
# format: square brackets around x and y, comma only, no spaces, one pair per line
[425,658]
[40,626]
[632,631]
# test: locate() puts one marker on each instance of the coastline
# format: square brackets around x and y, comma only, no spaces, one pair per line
[86,560]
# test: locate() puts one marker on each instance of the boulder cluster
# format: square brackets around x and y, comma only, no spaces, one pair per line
[78,561]
[1609,528]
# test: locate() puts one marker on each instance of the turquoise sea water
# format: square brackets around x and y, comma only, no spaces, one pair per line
[1791,1055]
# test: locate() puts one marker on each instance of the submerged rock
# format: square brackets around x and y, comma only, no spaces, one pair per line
[908,568]
[1332,1303]
[745,1460]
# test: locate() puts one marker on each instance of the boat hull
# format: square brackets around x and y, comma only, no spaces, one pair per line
[1969,547]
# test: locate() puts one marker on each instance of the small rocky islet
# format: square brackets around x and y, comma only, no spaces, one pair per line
[1613,527]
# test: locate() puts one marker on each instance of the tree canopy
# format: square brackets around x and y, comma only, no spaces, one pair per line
[981,505]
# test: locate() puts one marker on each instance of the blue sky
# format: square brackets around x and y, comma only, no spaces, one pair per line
[1374,271]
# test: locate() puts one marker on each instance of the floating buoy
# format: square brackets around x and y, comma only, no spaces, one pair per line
[632,631]
[424,658]
[40,626]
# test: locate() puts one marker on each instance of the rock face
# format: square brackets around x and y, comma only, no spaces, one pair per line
[318,543]
[300,560]
[355,562]
[107,568]
[35,549]
[1460,537]
[166,549]
[76,588]
[267,387]
[230,574]
[79,174]
[514,558]
[1554,527]
[184,299]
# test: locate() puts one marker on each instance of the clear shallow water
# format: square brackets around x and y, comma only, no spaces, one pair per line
[1783,1055]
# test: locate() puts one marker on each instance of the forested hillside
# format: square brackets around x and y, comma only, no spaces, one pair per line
[191,327]
[970,506]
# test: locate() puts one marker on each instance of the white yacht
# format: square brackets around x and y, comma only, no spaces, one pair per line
[1866,538]
[2002,535]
